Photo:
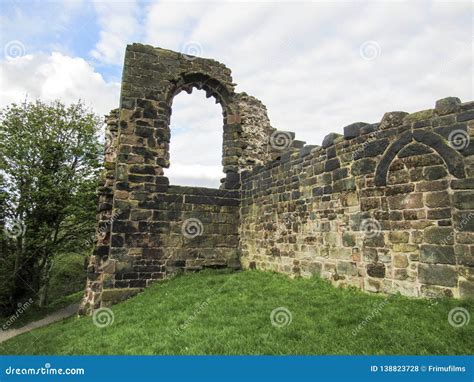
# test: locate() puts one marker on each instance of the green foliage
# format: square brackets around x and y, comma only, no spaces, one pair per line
[67,275]
[35,312]
[230,314]
[50,159]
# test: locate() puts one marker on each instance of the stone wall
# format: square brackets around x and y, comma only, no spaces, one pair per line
[386,207]
[148,229]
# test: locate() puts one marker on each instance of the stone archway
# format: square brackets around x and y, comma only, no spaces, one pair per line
[144,241]
[230,112]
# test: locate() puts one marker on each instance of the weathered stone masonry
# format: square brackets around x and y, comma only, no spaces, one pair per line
[386,207]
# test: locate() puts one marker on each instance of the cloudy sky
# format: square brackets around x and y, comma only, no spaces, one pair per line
[318,66]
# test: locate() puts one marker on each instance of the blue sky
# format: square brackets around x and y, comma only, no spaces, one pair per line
[318,66]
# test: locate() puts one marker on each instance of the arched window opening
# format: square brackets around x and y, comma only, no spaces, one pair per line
[196,141]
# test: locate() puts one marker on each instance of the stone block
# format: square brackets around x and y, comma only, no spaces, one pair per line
[400,274]
[464,221]
[434,172]
[353,130]
[437,274]
[447,105]
[464,200]
[114,296]
[418,116]
[332,164]
[373,285]
[414,149]
[375,148]
[438,199]
[405,201]
[346,268]
[363,166]
[439,235]
[392,119]
[369,254]
[399,237]
[461,184]
[374,240]
[400,260]
[437,254]
[466,289]
[315,268]
[348,239]
[403,247]
[330,139]
[376,270]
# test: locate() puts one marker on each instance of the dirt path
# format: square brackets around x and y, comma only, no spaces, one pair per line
[53,317]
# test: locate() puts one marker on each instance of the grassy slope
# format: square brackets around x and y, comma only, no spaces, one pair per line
[235,319]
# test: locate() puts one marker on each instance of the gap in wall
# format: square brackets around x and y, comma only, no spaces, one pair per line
[196,141]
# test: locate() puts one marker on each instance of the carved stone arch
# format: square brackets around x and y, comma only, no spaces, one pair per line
[452,158]
[201,81]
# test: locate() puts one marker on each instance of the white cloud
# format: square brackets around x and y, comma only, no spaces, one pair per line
[31,24]
[196,141]
[119,23]
[303,61]
[195,175]
[169,24]
[56,76]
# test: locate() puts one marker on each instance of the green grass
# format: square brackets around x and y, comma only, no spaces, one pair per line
[230,314]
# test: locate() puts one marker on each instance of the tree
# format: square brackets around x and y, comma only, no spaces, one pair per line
[50,158]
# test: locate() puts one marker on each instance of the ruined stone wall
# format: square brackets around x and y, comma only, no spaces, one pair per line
[95,268]
[388,207]
[148,229]
[256,130]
